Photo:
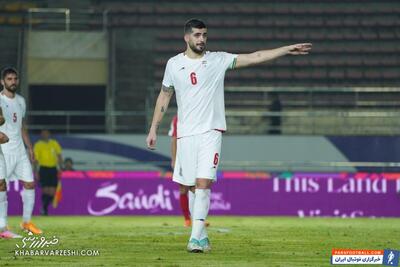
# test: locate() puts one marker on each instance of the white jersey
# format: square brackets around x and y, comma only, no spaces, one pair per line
[199,88]
[13,112]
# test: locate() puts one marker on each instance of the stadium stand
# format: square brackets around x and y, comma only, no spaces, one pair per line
[354,46]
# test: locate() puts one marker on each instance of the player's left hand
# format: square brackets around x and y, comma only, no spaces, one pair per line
[299,49]
[151,140]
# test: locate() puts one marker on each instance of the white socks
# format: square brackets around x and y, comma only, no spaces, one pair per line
[200,212]
[191,197]
[3,210]
[28,200]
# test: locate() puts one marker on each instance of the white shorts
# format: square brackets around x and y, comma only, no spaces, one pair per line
[18,168]
[197,156]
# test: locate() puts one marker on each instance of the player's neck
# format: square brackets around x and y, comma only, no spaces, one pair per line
[192,55]
[8,93]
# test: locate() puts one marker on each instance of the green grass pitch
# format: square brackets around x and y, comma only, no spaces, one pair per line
[236,241]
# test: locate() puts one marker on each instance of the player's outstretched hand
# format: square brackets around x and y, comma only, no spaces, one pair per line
[299,49]
[151,140]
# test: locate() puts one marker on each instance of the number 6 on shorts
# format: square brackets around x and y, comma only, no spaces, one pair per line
[216,158]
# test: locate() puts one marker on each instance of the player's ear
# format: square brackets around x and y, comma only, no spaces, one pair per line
[186,37]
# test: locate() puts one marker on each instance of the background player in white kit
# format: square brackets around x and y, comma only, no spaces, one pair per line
[4,231]
[18,162]
[197,77]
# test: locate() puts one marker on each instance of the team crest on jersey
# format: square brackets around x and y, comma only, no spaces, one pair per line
[204,63]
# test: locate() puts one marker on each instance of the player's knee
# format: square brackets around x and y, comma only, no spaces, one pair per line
[203,183]
[29,185]
[3,185]
[183,189]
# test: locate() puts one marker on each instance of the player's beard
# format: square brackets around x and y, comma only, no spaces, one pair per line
[198,51]
[11,88]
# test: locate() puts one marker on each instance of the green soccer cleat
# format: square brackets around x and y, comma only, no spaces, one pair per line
[205,244]
[194,246]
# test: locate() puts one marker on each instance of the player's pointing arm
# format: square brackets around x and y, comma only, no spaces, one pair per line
[244,60]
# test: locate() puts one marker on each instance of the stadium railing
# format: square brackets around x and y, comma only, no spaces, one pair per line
[85,121]
[63,18]
[313,111]
[281,166]
[301,122]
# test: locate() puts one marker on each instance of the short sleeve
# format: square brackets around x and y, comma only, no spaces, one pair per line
[173,129]
[36,150]
[23,106]
[57,147]
[167,80]
[228,60]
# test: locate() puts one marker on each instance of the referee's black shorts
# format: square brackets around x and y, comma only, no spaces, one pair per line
[48,176]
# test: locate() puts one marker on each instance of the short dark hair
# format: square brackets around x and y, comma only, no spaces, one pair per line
[8,70]
[193,23]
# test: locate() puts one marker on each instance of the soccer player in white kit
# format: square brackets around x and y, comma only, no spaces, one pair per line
[197,77]
[18,162]
[5,233]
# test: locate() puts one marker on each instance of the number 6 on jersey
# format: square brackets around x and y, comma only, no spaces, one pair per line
[193,78]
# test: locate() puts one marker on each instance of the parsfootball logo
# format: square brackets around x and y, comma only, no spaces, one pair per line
[161,200]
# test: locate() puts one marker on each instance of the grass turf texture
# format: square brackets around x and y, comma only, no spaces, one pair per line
[236,241]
